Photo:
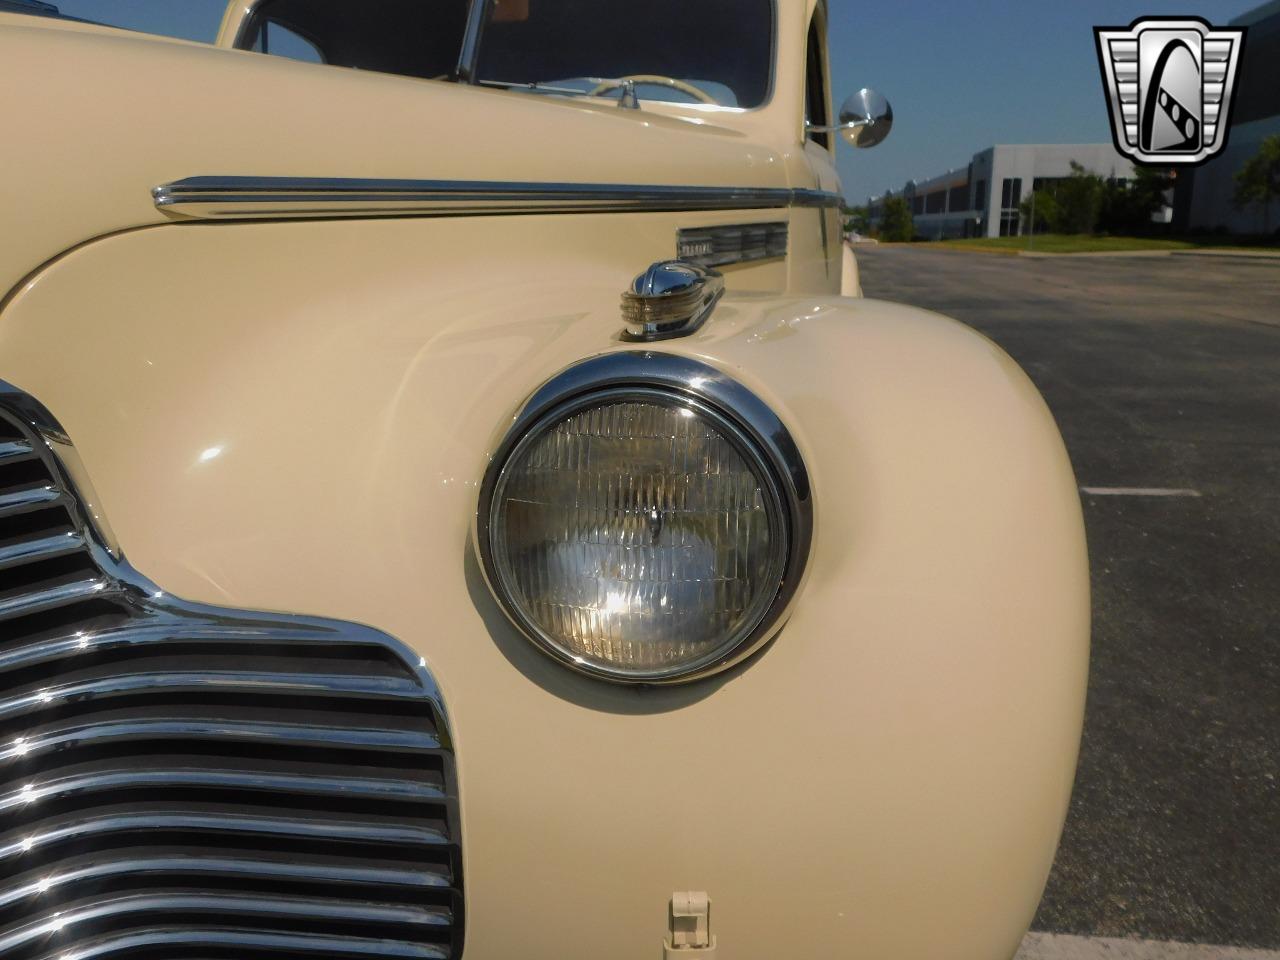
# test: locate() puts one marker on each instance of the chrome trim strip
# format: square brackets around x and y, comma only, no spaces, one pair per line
[760,432]
[82,488]
[226,681]
[16,451]
[133,779]
[26,501]
[46,548]
[816,198]
[189,940]
[220,198]
[247,26]
[75,734]
[66,465]
[151,820]
[51,598]
[177,633]
[219,866]
[276,906]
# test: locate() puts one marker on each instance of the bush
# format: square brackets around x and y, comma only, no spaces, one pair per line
[1047,213]
[856,220]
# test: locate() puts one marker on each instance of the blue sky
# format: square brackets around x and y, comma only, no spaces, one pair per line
[961,75]
[965,74]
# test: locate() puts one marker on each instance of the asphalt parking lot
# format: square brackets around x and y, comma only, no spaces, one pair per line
[1164,376]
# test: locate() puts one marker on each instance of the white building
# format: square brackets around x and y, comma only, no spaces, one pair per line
[983,199]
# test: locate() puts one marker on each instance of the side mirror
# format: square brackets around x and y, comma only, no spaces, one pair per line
[865,119]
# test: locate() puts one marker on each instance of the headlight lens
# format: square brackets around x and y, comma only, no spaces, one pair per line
[637,533]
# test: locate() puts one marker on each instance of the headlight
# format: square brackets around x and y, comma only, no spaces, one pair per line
[646,520]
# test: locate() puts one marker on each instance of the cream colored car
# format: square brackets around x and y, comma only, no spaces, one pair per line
[631,592]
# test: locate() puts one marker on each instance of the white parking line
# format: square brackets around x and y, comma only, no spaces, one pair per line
[1057,946]
[1139,492]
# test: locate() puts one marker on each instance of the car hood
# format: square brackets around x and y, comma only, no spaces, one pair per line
[111,114]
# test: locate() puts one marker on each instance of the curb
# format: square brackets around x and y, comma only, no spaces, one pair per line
[1255,255]
[1095,254]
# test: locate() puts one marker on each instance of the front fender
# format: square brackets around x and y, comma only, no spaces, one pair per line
[296,417]
[850,276]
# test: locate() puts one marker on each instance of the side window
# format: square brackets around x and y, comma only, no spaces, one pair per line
[279,41]
[414,38]
[816,84]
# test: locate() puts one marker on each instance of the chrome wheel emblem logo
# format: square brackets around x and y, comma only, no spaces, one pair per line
[1169,85]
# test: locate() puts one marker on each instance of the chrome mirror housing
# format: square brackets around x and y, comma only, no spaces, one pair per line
[865,119]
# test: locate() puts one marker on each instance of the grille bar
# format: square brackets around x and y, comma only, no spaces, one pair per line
[239,638]
[183,941]
[155,903]
[41,548]
[17,502]
[112,781]
[736,243]
[191,863]
[233,825]
[102,734]
[13,451]
[94,689]
[46,598]
[179,780]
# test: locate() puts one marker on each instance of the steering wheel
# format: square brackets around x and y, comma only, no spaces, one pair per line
[656,79]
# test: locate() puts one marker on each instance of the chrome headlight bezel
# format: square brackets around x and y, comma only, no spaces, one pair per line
[750,425]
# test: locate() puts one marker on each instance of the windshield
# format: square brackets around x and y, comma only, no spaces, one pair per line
[716,52]
[710,51]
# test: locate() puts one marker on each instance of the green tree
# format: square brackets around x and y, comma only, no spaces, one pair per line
[1072,204]
[1127,209]
[896,224]
[1258,181]
[1047,213]
[1079,199]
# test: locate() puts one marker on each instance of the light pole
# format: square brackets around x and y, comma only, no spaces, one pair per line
[1031,231]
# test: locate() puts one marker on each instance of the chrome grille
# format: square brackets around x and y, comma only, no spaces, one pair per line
[181,781]
[738,243]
